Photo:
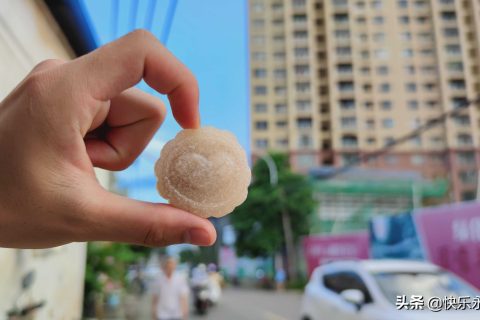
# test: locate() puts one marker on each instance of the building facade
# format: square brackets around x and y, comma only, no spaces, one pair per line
[335,79]
[28,35]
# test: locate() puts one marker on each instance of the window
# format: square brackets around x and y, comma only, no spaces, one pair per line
[381,54]
[426,52]
[429,69]
[305,141]
[299,3]
[303,70]
[280,108]
[341,281]
[365,54]
[303,105]
[282,143]
[385,87]
[457,84]
[379,37]
[340,18]
[387,123]
[378,20]
[411,87]
[468,176]
[448,16]
[344,51]
[304,123]
[429,87]
[348,122]
[455,66]
[464,139]
[279,39]
[422,20]
[344,68]
[281,124]
[299,18]
[391,159]
[258,23]
[280,91]
[302,87]
[425,36]
[377,4]
[342,34]
[371,141]
[306,160]
[347,104]
[412,104]
[370,124]
[407,53]
[261,108]
[279,56]
[259,56]
[404,20]
[260,90]
[345,86]
[463,120]
[277,7]
[349,141]
[406,36]
[386,105]
[368,105]
[458,102]
[301,52]
[261,125]
[260,73]
[466,158]
[451,33]
[258,40]
[402,4]
[258,7]
[365,71]
[280,73]
[382,70]
[300,35]
[453,50]
[261,143]
[431,104]
[469,195]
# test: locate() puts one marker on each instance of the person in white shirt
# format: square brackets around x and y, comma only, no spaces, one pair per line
[170,294]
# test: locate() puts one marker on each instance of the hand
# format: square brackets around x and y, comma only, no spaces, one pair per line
[65,118]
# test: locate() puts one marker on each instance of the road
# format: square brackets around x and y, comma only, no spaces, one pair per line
[239,304]
[243,304]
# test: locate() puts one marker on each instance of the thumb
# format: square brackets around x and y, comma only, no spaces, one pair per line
[120,219]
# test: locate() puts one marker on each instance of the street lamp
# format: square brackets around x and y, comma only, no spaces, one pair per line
[286,222]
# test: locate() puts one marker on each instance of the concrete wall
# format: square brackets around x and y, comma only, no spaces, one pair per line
[28,35]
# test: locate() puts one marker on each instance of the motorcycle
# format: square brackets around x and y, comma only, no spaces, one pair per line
[26,312]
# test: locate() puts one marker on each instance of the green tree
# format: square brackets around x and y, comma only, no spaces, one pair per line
[262,221]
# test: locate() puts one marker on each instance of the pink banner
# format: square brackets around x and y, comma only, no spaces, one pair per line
[451,238]
[319,249]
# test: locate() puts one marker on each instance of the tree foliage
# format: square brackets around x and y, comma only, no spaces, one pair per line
[258,221]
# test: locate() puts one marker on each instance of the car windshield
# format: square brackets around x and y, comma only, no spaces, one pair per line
[431,284]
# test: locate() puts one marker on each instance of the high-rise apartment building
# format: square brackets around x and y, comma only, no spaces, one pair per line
[333,79]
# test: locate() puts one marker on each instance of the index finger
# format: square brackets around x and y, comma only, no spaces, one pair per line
[121,64]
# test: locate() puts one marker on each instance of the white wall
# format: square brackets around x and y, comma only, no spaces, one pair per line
[28,35]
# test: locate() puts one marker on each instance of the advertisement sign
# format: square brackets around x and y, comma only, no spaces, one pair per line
[394,237]
[319,249]
[451,238]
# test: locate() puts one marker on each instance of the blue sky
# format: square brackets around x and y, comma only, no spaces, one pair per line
[210,37]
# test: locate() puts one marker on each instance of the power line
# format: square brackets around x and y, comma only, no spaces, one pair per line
[461,107]
[115,14]
[152,4]
[133,13]
[172,6]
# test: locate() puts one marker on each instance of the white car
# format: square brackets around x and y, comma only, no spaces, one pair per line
[368,290]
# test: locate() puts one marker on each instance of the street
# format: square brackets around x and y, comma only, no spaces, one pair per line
[246,304]
[242,304]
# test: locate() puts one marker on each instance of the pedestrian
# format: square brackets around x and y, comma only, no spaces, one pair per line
[64,119]
[170,299]
[280,278]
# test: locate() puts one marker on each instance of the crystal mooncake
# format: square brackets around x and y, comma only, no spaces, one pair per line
[203,171]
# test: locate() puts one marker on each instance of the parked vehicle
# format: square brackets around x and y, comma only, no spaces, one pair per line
[369,289]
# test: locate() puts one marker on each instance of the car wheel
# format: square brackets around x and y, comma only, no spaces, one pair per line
[306,318]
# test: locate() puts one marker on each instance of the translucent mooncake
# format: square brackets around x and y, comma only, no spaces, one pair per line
[203,171]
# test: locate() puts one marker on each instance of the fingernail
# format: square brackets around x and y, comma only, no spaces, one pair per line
[197,236]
